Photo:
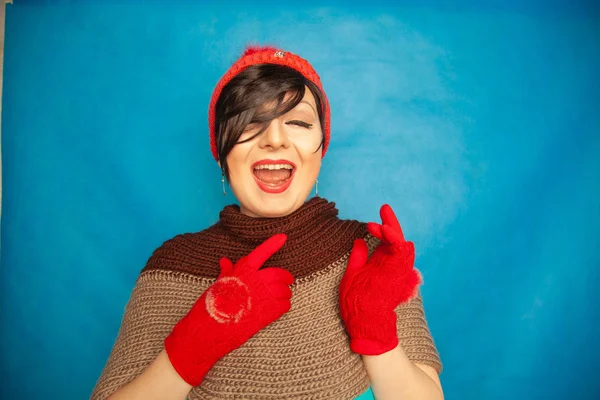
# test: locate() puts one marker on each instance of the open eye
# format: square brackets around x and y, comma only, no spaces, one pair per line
[299,123]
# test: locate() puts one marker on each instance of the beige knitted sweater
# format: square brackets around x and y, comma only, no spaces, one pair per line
[303,355]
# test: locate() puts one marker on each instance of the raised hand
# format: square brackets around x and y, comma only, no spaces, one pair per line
[372,288]
[242,301]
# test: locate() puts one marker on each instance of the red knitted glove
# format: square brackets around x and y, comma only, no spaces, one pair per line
[242,301]
[371,289]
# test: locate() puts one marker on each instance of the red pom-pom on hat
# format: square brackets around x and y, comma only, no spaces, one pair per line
[257,54]
[256,48]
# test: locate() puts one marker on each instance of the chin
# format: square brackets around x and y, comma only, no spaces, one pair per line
[268,205]
[273,206]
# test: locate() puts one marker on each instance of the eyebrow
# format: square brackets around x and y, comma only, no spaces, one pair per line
[311,106]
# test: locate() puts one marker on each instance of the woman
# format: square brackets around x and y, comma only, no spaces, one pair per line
[280,298]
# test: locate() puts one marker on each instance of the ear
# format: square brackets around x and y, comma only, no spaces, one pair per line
[219,164]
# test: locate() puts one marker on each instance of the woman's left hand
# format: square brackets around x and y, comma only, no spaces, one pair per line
[372,288]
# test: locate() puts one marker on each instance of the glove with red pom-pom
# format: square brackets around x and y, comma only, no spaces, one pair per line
[242,301]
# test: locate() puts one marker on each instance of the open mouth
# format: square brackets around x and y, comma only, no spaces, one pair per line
[273,176]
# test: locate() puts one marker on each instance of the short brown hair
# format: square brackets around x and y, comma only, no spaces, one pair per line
[242,103]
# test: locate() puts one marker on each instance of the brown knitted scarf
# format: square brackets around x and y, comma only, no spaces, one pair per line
[304,354]
[316,238]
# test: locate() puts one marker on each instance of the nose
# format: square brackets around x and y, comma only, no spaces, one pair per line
[274,137]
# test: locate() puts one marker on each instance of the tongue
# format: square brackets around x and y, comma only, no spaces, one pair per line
[273,176]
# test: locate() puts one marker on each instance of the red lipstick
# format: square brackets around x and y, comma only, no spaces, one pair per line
[269,187]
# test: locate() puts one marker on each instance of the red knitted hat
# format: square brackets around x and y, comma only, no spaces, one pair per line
[254,55]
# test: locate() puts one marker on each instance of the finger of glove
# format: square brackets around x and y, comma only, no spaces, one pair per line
[264,251]
[389,218]
[226,266]
[283,306]
[358,256]
[408,249]
[275,310]
[391,235]
[411,248]
[273,275]
[375,230]
[280,291]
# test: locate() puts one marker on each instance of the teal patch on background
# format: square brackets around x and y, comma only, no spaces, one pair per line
[368,395]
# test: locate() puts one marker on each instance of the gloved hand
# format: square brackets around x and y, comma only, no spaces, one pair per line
[372,288]
[242,301]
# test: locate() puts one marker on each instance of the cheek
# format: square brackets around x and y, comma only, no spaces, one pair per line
[308,143]
[310,153]
[236,162]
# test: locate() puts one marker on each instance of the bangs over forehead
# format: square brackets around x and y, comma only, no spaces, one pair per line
[256,96]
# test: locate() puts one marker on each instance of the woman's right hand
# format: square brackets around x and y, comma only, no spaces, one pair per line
[242,301]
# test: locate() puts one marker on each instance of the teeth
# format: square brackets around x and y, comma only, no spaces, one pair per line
[274,166]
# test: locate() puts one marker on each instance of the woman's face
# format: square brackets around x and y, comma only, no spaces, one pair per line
[273,174]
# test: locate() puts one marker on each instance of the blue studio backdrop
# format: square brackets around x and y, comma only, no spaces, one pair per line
[477,121]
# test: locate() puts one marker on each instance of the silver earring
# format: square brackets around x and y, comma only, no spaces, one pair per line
[223,183]
[317,187]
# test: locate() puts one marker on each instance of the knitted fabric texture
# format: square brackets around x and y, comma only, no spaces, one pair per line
[267,55]
[303,355]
